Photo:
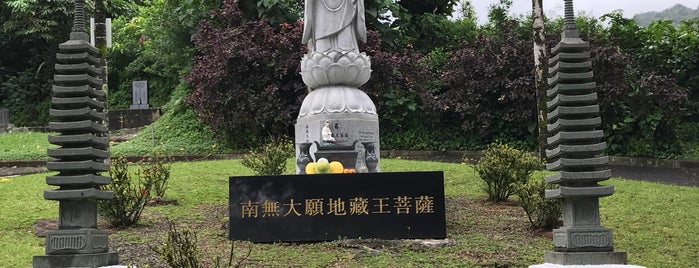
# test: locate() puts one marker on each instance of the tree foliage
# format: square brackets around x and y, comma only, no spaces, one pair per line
[438,83]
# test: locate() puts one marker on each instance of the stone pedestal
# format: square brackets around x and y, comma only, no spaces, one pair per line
[585,258]
[333,78]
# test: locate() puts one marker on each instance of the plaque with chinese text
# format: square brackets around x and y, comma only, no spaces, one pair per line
[324,207]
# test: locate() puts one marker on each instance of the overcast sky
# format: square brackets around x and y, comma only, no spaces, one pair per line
[594,8]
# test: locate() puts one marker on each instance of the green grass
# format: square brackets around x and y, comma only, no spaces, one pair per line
[24,146]
[657,224]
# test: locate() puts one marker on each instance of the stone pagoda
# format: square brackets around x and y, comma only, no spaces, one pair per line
[334,69]
[77,109]
[575,150]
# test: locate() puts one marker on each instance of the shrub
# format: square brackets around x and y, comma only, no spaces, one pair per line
[155,171]
[180,248]
[246,79]
[502,168]
[493,97]
[130,196]
[542,213]
[272,159]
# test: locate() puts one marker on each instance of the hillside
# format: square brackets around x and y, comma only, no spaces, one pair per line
[676,13]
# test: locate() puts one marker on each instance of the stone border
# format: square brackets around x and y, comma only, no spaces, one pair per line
[441,156]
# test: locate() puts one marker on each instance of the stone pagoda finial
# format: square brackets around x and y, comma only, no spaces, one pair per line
[79,31]
[569,21]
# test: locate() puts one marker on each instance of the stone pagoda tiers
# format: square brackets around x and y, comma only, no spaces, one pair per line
[575,150]
[77,109]
[334,69]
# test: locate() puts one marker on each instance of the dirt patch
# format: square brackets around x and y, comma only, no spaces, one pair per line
[475,217]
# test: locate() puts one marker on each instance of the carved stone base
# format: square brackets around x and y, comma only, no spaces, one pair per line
[585,258]
[75,260]
[582,239]
[76,241]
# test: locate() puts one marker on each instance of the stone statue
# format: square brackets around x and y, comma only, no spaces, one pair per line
[327,133]
[334,25]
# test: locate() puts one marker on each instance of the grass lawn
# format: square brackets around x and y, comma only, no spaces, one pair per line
[24,146]
[657,224]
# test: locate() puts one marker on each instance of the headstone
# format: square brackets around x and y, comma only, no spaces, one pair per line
[4,119]
[139,97]
[575,151]
[78,115]
[333,69]
[324,207]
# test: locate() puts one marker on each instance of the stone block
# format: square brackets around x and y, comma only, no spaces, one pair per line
[78,153]
[562,66]
[77,102]
[572,150]
[561,99]
[577,192]
[77,126]
[77,91]
[74,214]
[570,46]
[78,194]
[570,78]
[75,260]
[77,79]
[347,128]
[569,111]
[84,113]
[569,124]
[580,88]
[77,68]
[579,176]
[86,166]
[582,239]
[574,136]
[76,241]
[75,180]
[78,46]
[569,57]
[77,58]
[89,139]
[586,258]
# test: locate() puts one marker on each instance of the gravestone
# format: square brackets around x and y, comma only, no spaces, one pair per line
[4,119]
[77,109]
[139,97]
[333,69]
[575,151]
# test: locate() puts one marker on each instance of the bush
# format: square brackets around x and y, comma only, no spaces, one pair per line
[493,97]
[503,168]
[180,248]
[246,79]
[542,213]
[130,196]
[155,170]
[272,159]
